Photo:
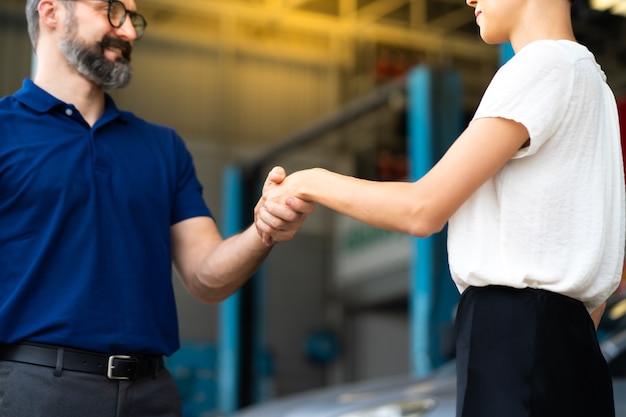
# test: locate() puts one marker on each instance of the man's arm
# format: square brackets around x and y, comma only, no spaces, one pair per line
[213,268]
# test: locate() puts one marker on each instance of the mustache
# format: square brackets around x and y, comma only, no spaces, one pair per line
[111,42]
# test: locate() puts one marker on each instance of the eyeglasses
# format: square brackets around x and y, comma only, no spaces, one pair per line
[117,16]
[117,13]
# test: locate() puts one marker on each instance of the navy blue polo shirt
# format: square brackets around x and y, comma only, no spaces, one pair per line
[85,216]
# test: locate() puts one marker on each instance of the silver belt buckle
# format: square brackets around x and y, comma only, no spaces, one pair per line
[111,367]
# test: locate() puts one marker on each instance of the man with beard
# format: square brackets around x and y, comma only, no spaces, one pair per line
[95,206]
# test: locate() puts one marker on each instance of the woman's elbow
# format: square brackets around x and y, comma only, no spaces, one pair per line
[425,226]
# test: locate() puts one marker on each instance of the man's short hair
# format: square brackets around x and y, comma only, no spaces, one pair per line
[32,18]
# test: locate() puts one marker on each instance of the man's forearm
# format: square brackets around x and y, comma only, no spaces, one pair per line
[229,266]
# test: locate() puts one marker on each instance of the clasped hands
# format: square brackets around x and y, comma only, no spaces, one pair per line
[278,214]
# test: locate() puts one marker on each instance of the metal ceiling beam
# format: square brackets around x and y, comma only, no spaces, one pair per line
[418,16]
[347,9]
[429,39]
[377,10]
[292,4]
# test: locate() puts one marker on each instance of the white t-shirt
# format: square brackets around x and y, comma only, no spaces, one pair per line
[553,217]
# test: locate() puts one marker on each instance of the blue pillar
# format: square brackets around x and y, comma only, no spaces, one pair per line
[229,317]
[243,363]
[506,53]
[262,361]
[435,119]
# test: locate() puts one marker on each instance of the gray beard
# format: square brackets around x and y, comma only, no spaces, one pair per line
[90,62]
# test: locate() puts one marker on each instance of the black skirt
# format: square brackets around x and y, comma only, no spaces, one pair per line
[528,353]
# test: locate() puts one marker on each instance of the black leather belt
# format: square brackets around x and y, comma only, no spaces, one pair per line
[124,367]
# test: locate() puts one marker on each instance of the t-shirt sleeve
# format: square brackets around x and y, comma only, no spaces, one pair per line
[188,200]
[534,89]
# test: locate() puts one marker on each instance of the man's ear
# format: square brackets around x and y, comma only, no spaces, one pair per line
[48,13]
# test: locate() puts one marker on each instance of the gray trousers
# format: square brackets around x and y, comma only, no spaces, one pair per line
[33,391]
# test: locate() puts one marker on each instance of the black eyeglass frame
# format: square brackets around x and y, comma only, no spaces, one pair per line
[139,28]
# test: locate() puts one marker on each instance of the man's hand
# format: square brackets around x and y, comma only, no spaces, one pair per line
[279,221]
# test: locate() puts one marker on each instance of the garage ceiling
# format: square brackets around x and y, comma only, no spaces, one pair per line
[328,32]
[428,25]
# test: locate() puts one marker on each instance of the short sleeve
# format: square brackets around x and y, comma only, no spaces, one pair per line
[534,89]
[188,195]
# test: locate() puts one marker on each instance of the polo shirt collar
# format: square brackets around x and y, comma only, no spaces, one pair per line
[38,99]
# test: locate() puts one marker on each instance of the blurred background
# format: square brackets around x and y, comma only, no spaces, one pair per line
[300,83]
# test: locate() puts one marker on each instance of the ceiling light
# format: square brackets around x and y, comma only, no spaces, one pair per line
[612,6]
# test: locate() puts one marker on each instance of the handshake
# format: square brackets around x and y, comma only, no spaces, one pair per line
[281,210]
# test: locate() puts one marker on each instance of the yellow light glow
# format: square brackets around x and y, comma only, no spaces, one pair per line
[613,6]
[619,8]
[602,4]
[618,310]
